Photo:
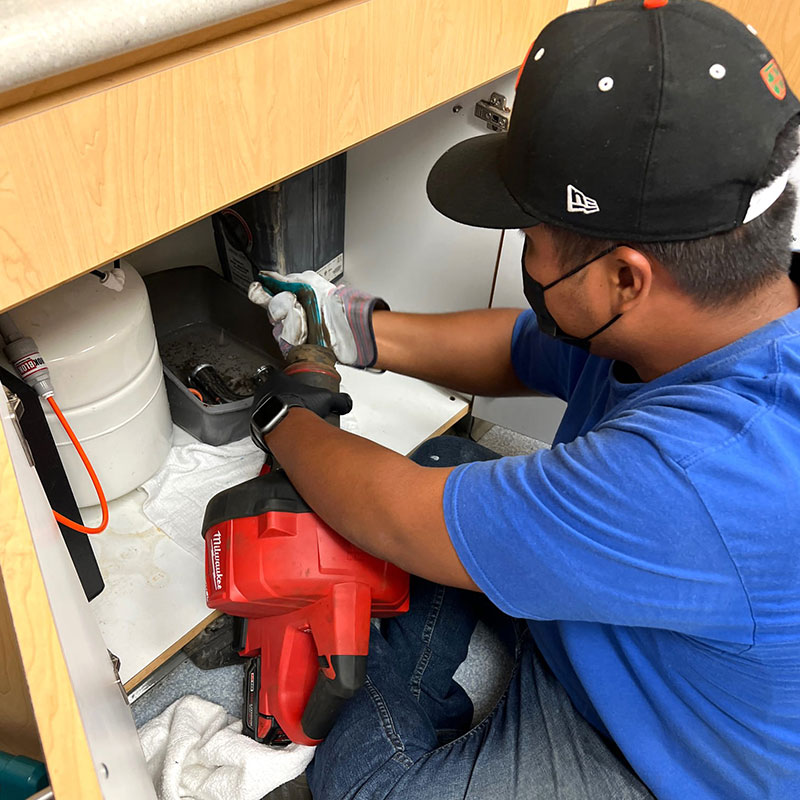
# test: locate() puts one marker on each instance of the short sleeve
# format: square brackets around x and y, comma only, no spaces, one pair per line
[603,529]
[543,363]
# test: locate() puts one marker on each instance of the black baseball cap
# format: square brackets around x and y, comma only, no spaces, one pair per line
[644,120]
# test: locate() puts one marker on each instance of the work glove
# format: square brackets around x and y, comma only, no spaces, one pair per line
[345,312]
[294,393]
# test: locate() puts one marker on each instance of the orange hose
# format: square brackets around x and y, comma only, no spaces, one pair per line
[103,505]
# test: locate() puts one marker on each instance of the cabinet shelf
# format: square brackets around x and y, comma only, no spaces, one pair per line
[146,572]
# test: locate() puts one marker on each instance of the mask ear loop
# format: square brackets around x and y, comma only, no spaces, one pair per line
[578,269]
[601,329]
[581,266]
[613,319]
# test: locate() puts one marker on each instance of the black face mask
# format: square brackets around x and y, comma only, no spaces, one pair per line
[534,293]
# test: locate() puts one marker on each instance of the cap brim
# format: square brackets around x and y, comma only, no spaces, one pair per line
[465,184]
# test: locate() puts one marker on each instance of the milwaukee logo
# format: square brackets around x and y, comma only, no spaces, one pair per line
[579,202]
[216,563]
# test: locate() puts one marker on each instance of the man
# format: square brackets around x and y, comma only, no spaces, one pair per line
[652,554]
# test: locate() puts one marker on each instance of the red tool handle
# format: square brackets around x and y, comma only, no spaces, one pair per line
[311,661]
[341,651]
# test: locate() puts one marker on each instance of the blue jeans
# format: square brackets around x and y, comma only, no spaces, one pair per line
[406,734]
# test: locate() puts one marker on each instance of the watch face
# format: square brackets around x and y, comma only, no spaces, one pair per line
[268,412]
[265,418]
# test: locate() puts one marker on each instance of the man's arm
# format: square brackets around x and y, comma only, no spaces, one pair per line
[378,500]
[469,351]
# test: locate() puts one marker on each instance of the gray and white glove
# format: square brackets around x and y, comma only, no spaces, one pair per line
[345,312]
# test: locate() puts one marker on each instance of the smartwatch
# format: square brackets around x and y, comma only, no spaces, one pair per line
[266,417]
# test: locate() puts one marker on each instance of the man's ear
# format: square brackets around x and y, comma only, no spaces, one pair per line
[630,277]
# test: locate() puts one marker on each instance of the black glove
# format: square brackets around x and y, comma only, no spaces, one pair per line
[291,392]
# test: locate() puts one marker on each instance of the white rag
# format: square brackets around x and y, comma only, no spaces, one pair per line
[195,750]
[193,473]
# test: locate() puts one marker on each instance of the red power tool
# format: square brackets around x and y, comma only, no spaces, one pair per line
[306,594]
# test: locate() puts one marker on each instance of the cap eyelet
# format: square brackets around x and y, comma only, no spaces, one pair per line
[717,71]
[539,53]
[605,84]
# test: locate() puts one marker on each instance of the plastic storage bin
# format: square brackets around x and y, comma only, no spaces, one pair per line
[199,318]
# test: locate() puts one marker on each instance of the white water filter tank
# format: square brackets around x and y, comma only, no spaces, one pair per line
[100,346]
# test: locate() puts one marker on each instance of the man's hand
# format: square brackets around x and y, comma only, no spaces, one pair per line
[469,351]
[346,314]
[292,393]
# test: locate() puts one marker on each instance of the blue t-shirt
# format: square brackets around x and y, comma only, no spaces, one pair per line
[655,550]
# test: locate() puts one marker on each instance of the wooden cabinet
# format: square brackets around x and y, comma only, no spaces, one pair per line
[107,167]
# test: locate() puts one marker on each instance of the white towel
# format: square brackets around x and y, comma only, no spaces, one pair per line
[196,751]
[193,473]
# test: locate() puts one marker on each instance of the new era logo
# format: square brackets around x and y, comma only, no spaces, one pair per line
[577,201]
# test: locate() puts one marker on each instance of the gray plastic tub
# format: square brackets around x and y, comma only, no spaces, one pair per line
[201,318]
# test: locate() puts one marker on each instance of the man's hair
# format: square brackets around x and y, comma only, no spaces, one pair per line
[724,268]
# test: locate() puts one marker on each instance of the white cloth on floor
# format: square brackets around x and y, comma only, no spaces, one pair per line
[196,751]
[193,473]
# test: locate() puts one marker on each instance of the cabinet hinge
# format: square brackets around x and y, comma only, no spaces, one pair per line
[16,410]
[494,112]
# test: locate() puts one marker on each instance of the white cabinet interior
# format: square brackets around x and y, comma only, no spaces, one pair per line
[397,245]
[538,417]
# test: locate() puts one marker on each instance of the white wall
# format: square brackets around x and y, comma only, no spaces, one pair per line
[189,246]
[399,247]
